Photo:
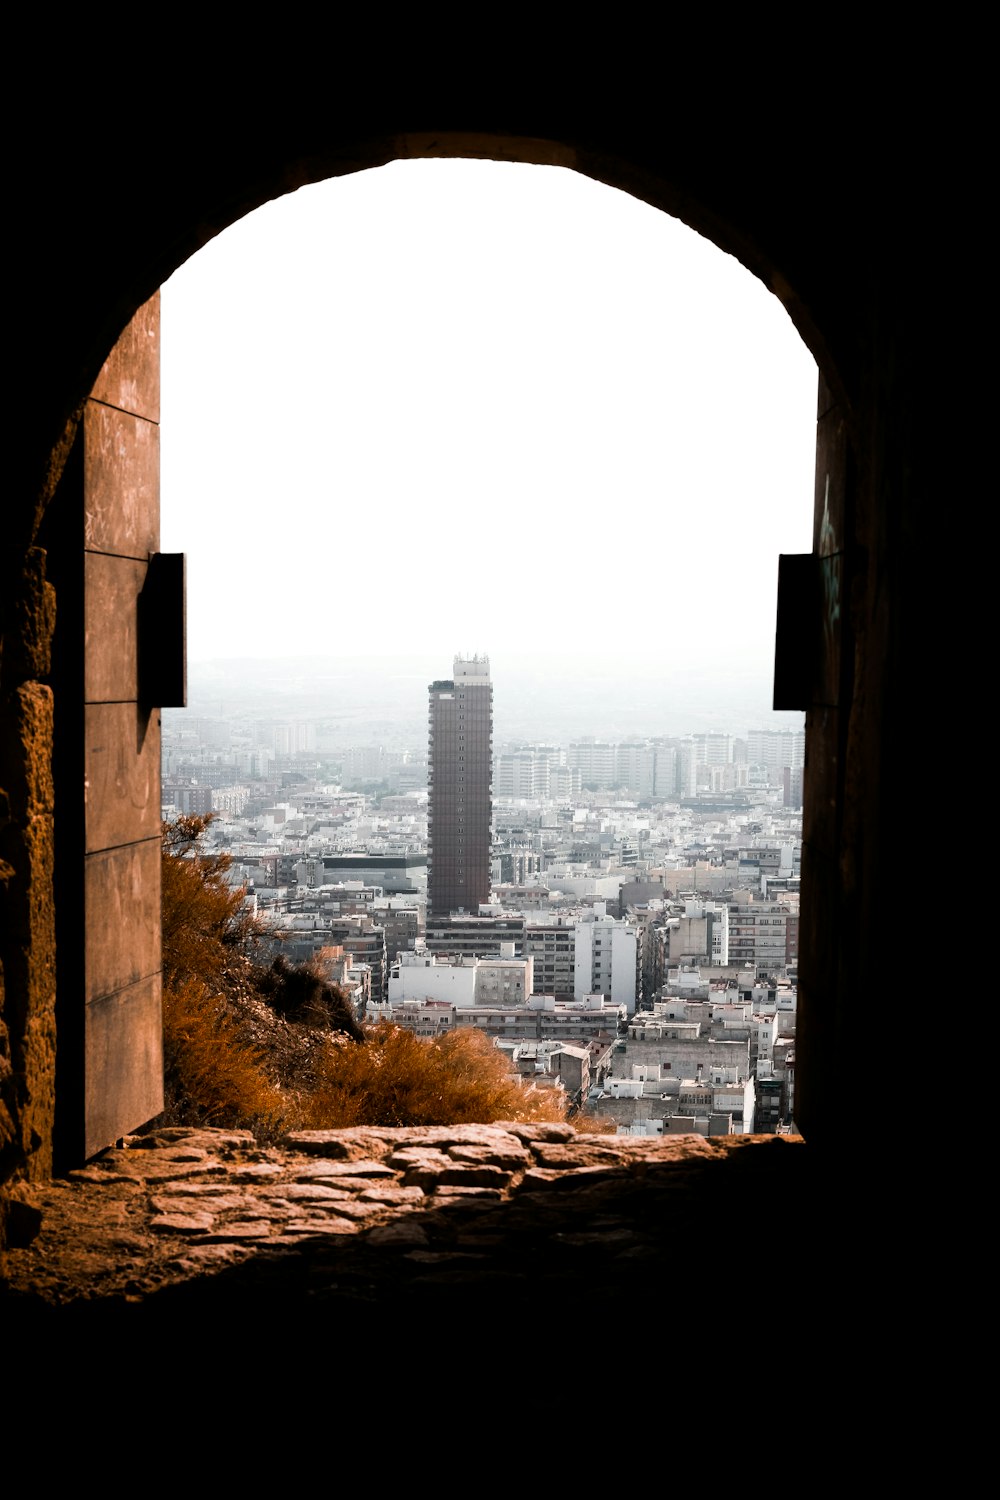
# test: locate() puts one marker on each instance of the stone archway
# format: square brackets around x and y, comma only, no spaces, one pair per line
[718,204]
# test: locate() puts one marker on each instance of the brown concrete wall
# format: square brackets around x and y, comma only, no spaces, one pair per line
[122,1034]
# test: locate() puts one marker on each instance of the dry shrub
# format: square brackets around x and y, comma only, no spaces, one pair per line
[397,1078]
[208,933]
[216,1069]
[212,1075]
[303,994]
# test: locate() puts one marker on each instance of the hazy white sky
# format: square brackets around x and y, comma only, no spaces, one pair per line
[452,406]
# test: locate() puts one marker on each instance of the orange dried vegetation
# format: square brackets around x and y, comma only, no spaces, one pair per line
[396,1078]
[214,1075]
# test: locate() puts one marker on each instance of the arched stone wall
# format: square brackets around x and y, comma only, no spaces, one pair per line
[834,250]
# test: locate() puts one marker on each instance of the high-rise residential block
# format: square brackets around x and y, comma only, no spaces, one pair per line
[460,808]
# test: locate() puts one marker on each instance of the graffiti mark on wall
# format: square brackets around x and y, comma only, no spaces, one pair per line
[830,560]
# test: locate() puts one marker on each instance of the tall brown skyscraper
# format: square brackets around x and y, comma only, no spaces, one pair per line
[460,773]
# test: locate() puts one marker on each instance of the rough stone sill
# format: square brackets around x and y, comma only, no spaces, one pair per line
[357,1218]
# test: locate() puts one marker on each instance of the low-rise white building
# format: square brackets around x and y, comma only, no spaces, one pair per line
[461,981]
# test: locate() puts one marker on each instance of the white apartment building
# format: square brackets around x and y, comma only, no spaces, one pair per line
[665,778]
[758,932]
[552,945]
[535,772]
[701,935]
[605,958]
[519,775]
[776,747]
[723,1092]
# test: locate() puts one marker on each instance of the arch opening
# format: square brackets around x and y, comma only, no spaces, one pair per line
[147,273]
[614,550]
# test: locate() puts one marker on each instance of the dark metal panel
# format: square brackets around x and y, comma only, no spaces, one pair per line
[162,615]
[797,641]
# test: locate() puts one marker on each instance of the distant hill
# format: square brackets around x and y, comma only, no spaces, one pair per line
[385,700]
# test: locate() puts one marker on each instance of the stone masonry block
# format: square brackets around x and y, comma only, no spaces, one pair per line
[27,919]
[26,751]
[31,621]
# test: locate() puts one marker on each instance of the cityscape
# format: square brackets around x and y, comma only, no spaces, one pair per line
[587,845]
[620,916]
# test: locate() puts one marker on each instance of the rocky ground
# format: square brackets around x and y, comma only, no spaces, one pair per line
[185,1222]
